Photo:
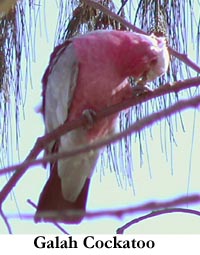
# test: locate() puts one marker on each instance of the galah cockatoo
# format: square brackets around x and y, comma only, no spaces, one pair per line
[89,73]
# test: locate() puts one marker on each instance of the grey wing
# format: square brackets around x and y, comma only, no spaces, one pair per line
[60,88]
[61,84]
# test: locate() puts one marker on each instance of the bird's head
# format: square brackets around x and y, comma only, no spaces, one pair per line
[160,64]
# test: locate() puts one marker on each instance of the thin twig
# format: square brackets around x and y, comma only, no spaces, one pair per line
[6,221]
[154,214]
[20,171]
[122,6]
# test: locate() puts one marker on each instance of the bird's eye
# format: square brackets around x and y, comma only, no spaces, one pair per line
[153,62]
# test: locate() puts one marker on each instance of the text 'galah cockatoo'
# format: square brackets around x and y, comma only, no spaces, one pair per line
[89,72]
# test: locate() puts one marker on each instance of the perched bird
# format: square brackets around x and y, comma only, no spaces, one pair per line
[89,73]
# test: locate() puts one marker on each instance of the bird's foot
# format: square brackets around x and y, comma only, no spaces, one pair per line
[89,115]
[139,89]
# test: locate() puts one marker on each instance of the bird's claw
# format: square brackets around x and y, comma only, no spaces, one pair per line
[89,115]
[139,89]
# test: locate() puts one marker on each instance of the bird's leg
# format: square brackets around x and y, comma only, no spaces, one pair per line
[89,115]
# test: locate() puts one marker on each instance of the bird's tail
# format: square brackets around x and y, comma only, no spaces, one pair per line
[52,207]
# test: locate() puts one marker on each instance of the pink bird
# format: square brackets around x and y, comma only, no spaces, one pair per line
[89,73]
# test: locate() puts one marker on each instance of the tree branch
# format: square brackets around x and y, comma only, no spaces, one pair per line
[154,214]
[42,142]
[184,58]
[119,213]
[138,126]
[149,206]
